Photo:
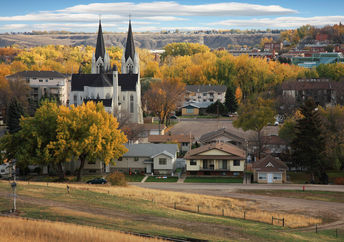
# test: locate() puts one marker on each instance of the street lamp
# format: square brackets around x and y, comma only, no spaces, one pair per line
[14,185]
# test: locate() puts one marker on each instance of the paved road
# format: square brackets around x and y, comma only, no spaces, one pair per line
[232,187]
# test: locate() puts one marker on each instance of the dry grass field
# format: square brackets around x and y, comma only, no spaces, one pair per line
[205,204]
[16,229]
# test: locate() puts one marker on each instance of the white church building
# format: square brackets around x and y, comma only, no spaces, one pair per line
[119,92]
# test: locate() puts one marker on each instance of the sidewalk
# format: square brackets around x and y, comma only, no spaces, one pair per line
[144,179]
[181,178]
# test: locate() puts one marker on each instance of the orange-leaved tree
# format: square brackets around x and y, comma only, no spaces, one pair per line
[88,132]
[164,96]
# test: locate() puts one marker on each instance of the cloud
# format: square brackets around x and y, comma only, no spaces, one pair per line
[176,9]
[280,22]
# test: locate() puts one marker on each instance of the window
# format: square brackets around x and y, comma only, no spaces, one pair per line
[40,80]
[75,99]
[34,78]
[277,176]
[224,164]
[131,104]
[204,94]
[262,176]
[107,96]
[162,161]
[211,100]
[123,98]
[46,80]
[91,162]
[120,158]
[193,163]
[236,162]
[211,94]
[51,78]
[136,158]
[189,110]
[185,143]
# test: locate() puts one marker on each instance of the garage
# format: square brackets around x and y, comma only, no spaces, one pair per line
[269,170]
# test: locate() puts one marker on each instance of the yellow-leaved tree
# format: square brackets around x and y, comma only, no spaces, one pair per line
[88,132]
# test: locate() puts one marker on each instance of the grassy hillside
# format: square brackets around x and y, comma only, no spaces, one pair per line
[129,209]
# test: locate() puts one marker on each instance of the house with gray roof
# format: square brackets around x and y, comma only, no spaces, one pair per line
[148,158]
[205,93]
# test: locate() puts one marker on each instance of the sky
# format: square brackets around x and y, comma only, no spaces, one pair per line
[83,15]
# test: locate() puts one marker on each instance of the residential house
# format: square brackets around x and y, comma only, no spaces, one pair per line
[184,141]
[223,136]
[269,170]
[215,159]
[205,93]
[324,91]
[195,108]
[44,84]
[148,158]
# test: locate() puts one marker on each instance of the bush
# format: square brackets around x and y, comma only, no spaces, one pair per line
[339,181]
[117,179]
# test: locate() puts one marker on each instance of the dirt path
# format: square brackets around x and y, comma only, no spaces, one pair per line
[331,211]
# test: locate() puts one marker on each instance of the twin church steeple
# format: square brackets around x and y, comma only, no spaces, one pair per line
[101,59]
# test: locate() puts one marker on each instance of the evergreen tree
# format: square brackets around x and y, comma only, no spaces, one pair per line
[14,113]
[230,100]
[308,146]
[217,108]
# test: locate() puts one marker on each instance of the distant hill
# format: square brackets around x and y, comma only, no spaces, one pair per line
[142,40]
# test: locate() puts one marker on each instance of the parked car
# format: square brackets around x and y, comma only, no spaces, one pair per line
[97,181]
[173,117]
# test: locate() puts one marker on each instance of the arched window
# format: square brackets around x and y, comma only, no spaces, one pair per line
[131,104]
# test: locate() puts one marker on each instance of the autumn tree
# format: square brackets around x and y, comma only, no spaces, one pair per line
[254,115]
[88,132]
[163,97]
[308,146]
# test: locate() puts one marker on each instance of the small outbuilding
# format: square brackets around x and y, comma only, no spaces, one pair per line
[269,170]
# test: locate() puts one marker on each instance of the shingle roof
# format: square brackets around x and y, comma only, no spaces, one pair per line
[234,151]
[130,47]
[220,132]
[127,82]
[168,138]
[206,88]
[149,150]
[308,84]
[38,74]
[273,140]
[197,104]
[276,164]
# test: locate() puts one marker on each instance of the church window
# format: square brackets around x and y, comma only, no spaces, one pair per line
[131,104]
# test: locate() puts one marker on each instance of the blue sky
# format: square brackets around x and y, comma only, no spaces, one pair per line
[82,15]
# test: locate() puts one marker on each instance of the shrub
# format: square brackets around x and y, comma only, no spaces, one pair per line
[339,181]
[117,179]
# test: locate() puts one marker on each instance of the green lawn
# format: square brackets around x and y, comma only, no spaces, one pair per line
[160,179]
[134,178]
[196,179]
[309,195]
[135,215]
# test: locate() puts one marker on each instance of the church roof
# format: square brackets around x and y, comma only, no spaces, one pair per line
[100,47]
[127,82]
[130,47]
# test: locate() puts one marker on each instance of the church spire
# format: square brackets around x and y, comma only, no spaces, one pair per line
[130,48]
[100,47]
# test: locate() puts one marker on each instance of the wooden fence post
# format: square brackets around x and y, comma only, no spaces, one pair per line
[336,233]
[272,220]
[223,212]
[244,215]
[197,208]
[175,205]
[283,222]
[316,228]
